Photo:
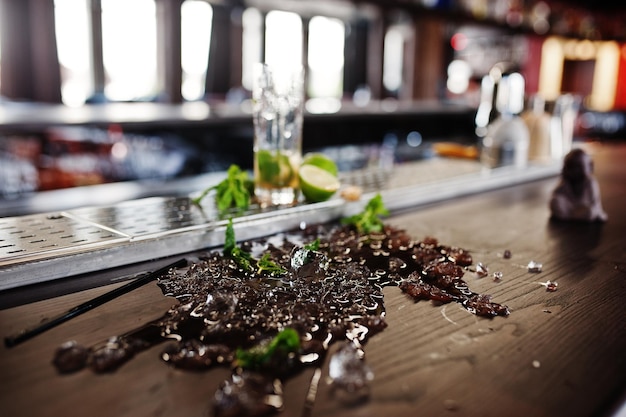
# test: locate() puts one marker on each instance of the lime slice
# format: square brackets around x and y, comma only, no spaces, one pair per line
[317,184]
[318,159]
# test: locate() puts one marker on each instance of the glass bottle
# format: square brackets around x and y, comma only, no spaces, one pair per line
[538,123]
[507,138]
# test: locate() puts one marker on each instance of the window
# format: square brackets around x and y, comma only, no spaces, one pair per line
[326,43]
[113,56]
[283,39]
[74,50]
[284,32]
[252,48]
[393,60]
[129,49]
[0,52]
[129,54]
[196,25]
[563,62]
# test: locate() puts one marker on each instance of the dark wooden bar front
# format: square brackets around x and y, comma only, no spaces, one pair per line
[558,354]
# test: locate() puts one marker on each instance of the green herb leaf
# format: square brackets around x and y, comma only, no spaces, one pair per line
[278,349]
[313,246]
[244,259]
[232,192]
[230,242]
[369,219]
[241,257]
[266,264]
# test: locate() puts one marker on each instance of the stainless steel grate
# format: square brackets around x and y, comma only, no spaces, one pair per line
[30,237]
[150,216]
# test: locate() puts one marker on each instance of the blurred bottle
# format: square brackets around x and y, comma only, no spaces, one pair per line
[562,124]
[538,124]
[507,137]
[487,111]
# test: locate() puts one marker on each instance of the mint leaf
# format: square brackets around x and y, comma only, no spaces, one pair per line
[241,257]
[234,191]
[278,349]
[266,264]
[369,220]
[313,246]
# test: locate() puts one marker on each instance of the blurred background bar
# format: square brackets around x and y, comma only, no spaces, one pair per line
[153,95]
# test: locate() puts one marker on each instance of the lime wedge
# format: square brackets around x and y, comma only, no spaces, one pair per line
[318,159]
[317,184]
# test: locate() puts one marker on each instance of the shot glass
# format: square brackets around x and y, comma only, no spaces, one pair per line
[278,101]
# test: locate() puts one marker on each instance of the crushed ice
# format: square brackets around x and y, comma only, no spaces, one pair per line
[534,267]
[551,286]
[481,270]
[349,374]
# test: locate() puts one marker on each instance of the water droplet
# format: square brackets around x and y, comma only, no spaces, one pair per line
[551,286]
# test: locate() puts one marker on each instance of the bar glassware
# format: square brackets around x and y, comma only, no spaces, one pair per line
[278,101]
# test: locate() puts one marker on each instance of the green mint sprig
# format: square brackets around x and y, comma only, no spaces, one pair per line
[244,259]
[369,220]
[287,341]
[240,256]
[234,191]
[267,265]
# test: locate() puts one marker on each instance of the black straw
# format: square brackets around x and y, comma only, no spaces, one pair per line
[91,304]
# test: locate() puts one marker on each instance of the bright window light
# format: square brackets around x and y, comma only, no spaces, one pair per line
[393,59]
[0,54]
[459,73]
[326,44]
[74,50]
[551,70]
[606,55]
[196,22]
[605,77]
[252,21]
[129,49]
[283,39]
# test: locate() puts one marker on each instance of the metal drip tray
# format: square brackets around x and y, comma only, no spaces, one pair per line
[35,236]
[146,217]
[43,247]
[37,248]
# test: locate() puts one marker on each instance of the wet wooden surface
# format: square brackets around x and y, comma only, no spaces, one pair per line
[560,354]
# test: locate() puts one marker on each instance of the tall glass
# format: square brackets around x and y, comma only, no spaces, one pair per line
[278,101]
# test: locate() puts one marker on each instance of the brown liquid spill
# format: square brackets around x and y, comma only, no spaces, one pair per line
[327,296]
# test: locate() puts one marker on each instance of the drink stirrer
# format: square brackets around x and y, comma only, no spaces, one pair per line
[25,335]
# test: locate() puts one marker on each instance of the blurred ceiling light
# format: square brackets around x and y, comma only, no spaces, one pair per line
[585,50]
[459,73]
[602,96]
[459,41]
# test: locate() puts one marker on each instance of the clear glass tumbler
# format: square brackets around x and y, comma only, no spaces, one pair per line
[278,102]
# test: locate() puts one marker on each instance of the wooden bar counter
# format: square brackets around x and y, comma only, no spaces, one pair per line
[558,354]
